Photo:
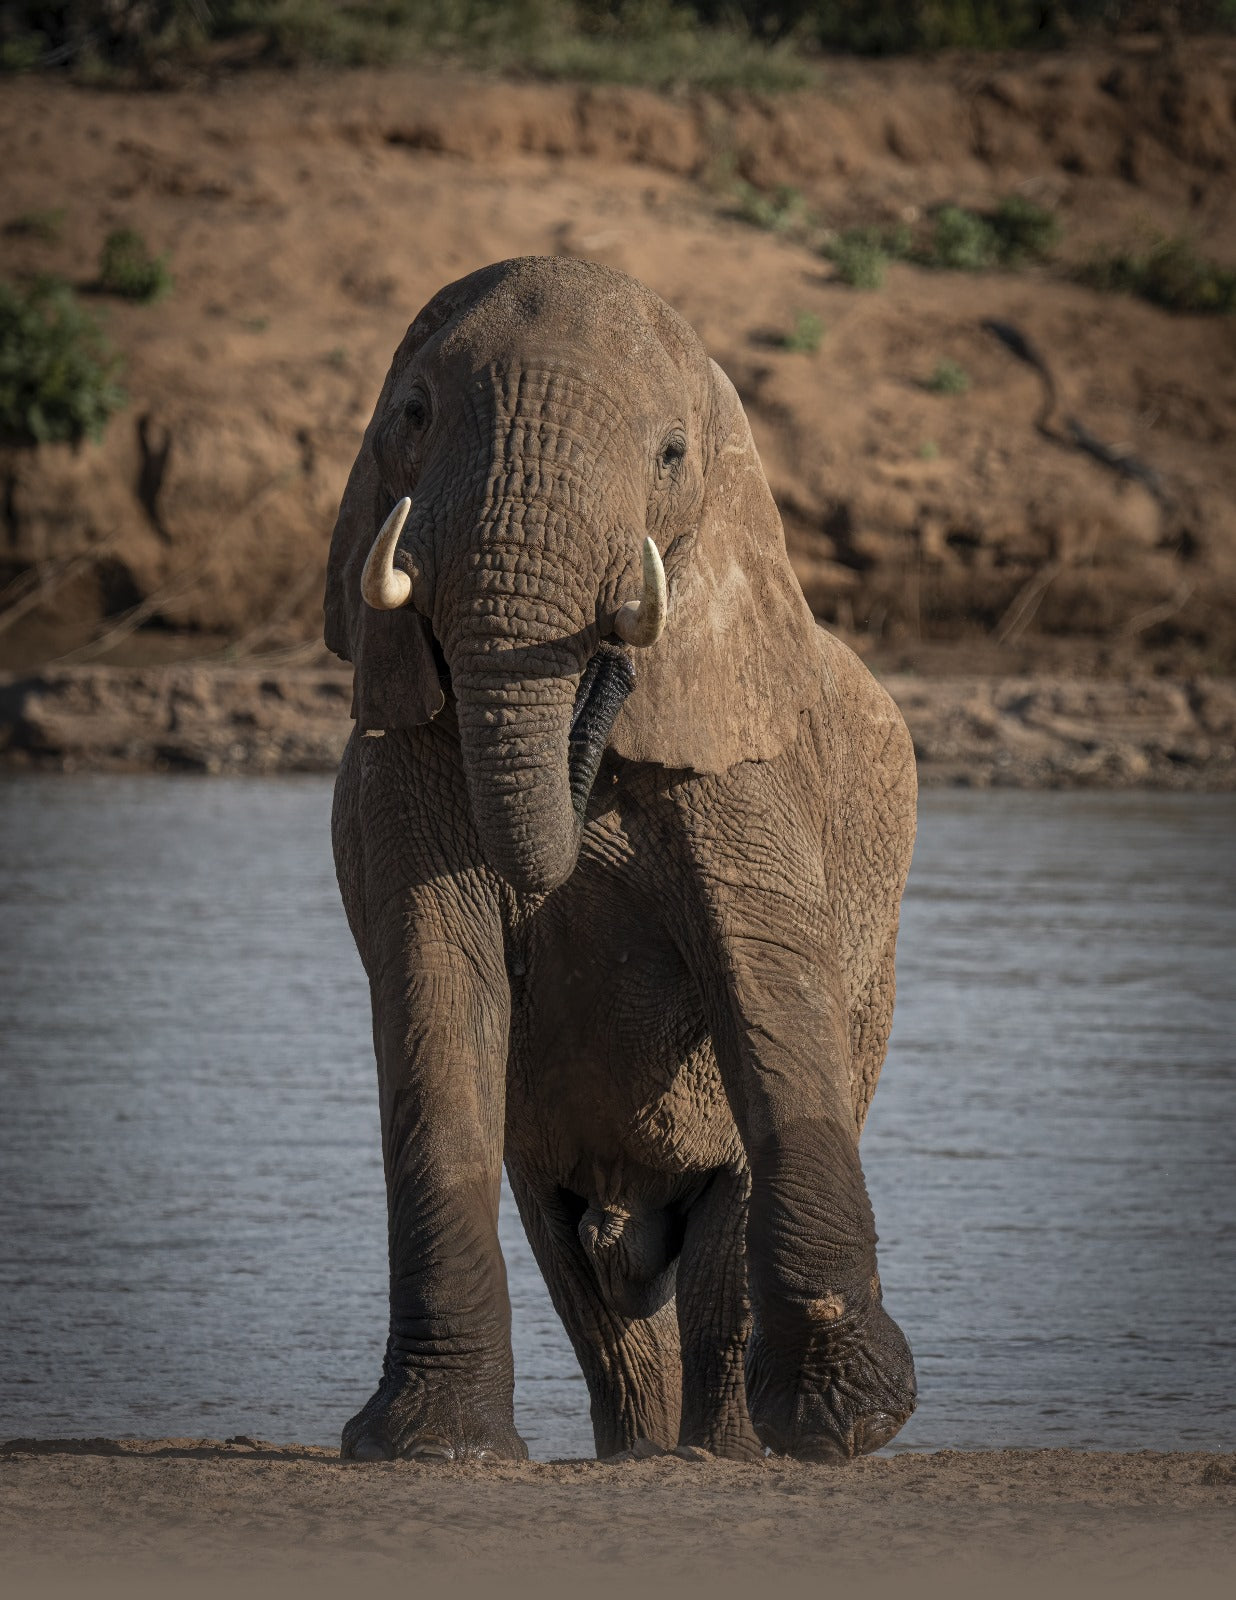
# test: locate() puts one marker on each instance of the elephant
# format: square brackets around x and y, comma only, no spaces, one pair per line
[621,835]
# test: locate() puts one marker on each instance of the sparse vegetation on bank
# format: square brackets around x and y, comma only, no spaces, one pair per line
[761,45]
[949,377]
[128,269]
[783,210]
[806,336]
[658,43]
[46,224]
[1014,234]
[958,532]
[860,256]
[1022,230]
[57,372]
[1169,272]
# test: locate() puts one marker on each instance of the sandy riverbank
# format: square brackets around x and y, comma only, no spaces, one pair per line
[205,1507]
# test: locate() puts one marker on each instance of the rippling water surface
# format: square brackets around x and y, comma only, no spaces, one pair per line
[192,1226]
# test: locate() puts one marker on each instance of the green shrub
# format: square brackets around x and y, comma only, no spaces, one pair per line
[805,336]
[127,268]
[22,52]
[1023,231]
[660,43]
[57,373]
[1017,231]
[656,42]
[882,27]
[1169,273]
[860,257]
[782,211]
[962,240]
[949,378]
[754,44]
[44,225]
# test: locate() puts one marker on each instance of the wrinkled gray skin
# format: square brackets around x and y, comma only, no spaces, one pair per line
[668,1018]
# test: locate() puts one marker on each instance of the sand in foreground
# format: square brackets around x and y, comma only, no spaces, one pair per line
[252,1512]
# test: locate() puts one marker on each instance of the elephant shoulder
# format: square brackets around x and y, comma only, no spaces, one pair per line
[860,732]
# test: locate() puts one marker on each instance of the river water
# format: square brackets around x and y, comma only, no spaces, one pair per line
[192,1224]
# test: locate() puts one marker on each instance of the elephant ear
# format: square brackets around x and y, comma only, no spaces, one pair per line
[740,658]
[395,683]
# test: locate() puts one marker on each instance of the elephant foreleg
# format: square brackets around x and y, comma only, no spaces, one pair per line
[829,1374]
[630,1364]
[429,932]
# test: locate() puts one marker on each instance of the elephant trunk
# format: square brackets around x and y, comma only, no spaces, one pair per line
[515,595]
[531,751]
[514,740]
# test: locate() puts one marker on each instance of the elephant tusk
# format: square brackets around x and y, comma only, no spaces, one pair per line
[643,624]
[383,586]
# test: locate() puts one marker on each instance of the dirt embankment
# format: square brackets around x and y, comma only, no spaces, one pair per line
[650,1526]
[308,216]
[1037,732]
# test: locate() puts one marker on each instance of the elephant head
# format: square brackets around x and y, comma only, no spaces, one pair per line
[582,539]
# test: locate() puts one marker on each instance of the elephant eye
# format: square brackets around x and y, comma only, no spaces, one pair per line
[673,452]
[416,410]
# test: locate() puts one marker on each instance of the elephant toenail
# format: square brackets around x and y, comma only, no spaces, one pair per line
[822,1450]
[429,1450]
[874,1431]
[371,1450]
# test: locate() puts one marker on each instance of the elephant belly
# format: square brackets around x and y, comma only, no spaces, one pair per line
[614,1082]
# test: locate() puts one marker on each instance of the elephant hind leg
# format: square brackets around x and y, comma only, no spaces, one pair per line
[631,1364]
[632,1251]
[714,1318]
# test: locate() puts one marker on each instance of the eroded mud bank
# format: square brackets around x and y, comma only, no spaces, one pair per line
[1037,732]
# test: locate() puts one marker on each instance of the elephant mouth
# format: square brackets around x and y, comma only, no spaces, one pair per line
[440,663]
[604,684]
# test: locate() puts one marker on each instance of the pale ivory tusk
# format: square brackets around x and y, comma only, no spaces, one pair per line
[383,585]
[644,623]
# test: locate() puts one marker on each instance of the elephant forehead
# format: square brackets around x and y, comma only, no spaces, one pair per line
[557,308]
[555,408]
[534,371]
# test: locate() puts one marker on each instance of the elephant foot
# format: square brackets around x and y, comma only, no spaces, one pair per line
[733,1440]
[640,1450]
[723,1450]
[414,1419]
[746,1448]
[852,1391]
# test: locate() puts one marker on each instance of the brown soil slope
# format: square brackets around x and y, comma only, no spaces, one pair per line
[307,217]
